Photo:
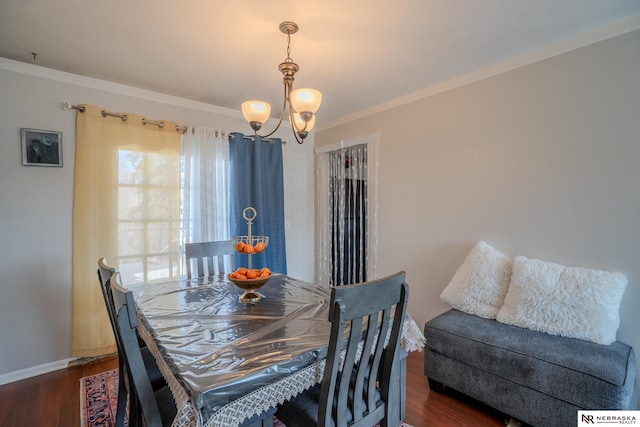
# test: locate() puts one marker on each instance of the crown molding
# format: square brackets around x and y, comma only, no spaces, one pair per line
[604,33]
[93,83]
[576,42]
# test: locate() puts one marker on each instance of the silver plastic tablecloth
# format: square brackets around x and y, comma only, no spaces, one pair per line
[229,360]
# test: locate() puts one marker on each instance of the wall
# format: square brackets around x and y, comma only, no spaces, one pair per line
[36,204]
[540,161]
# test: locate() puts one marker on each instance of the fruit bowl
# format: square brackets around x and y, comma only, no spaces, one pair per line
[249,286]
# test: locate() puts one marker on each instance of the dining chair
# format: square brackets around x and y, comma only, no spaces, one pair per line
[360,384]
[157,408]
[105,274]
[204,254]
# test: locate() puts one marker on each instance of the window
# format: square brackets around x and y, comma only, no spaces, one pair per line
[148,216]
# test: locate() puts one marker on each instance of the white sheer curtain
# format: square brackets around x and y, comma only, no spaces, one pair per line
[346,188]
[205,215]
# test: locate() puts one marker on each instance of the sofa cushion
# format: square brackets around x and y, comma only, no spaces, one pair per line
[480,283]
[583,373]
[569,301]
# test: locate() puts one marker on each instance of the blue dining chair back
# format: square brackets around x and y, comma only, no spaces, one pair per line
[105,274]
[209,257]
[361,380]
[156,408]
[104,277]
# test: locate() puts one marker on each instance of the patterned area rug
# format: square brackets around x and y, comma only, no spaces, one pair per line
[99,400]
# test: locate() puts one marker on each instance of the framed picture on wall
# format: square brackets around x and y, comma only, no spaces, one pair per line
[41,147]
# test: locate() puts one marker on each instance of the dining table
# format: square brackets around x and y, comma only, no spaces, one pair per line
[227,361]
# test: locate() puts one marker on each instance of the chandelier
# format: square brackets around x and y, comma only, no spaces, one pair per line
[302,103]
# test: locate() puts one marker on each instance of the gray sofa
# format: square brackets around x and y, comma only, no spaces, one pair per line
[537,378]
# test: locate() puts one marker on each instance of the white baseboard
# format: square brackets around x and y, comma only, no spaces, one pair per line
[34,371]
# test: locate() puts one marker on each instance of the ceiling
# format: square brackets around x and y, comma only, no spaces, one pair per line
[359,53]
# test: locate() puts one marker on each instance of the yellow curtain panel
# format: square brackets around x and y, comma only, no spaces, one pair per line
[125,208]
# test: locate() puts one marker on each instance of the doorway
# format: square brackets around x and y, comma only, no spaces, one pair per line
[346,213]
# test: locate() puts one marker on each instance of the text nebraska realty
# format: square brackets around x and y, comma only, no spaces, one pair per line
[618,419]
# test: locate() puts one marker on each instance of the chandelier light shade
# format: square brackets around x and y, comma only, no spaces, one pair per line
[256,112]
[299,123]
[302,103]
[306,100]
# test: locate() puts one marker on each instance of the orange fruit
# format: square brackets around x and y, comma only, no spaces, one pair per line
[266,270]
[265,274]
[240,246]
[259,247]
[252,274]
[241,277]
[249,249]
[242,271]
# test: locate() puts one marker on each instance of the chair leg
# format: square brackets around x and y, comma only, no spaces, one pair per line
[395,409]
[403,386]
[121,409]
[135,411]
[436,386]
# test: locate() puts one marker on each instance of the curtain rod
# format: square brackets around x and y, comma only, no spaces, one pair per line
[123,117]
[253,139]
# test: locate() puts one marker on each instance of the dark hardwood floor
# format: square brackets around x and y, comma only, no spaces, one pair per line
[426,408]
[53,400]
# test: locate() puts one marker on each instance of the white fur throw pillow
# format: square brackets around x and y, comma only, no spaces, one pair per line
[568,301]
[480,283]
